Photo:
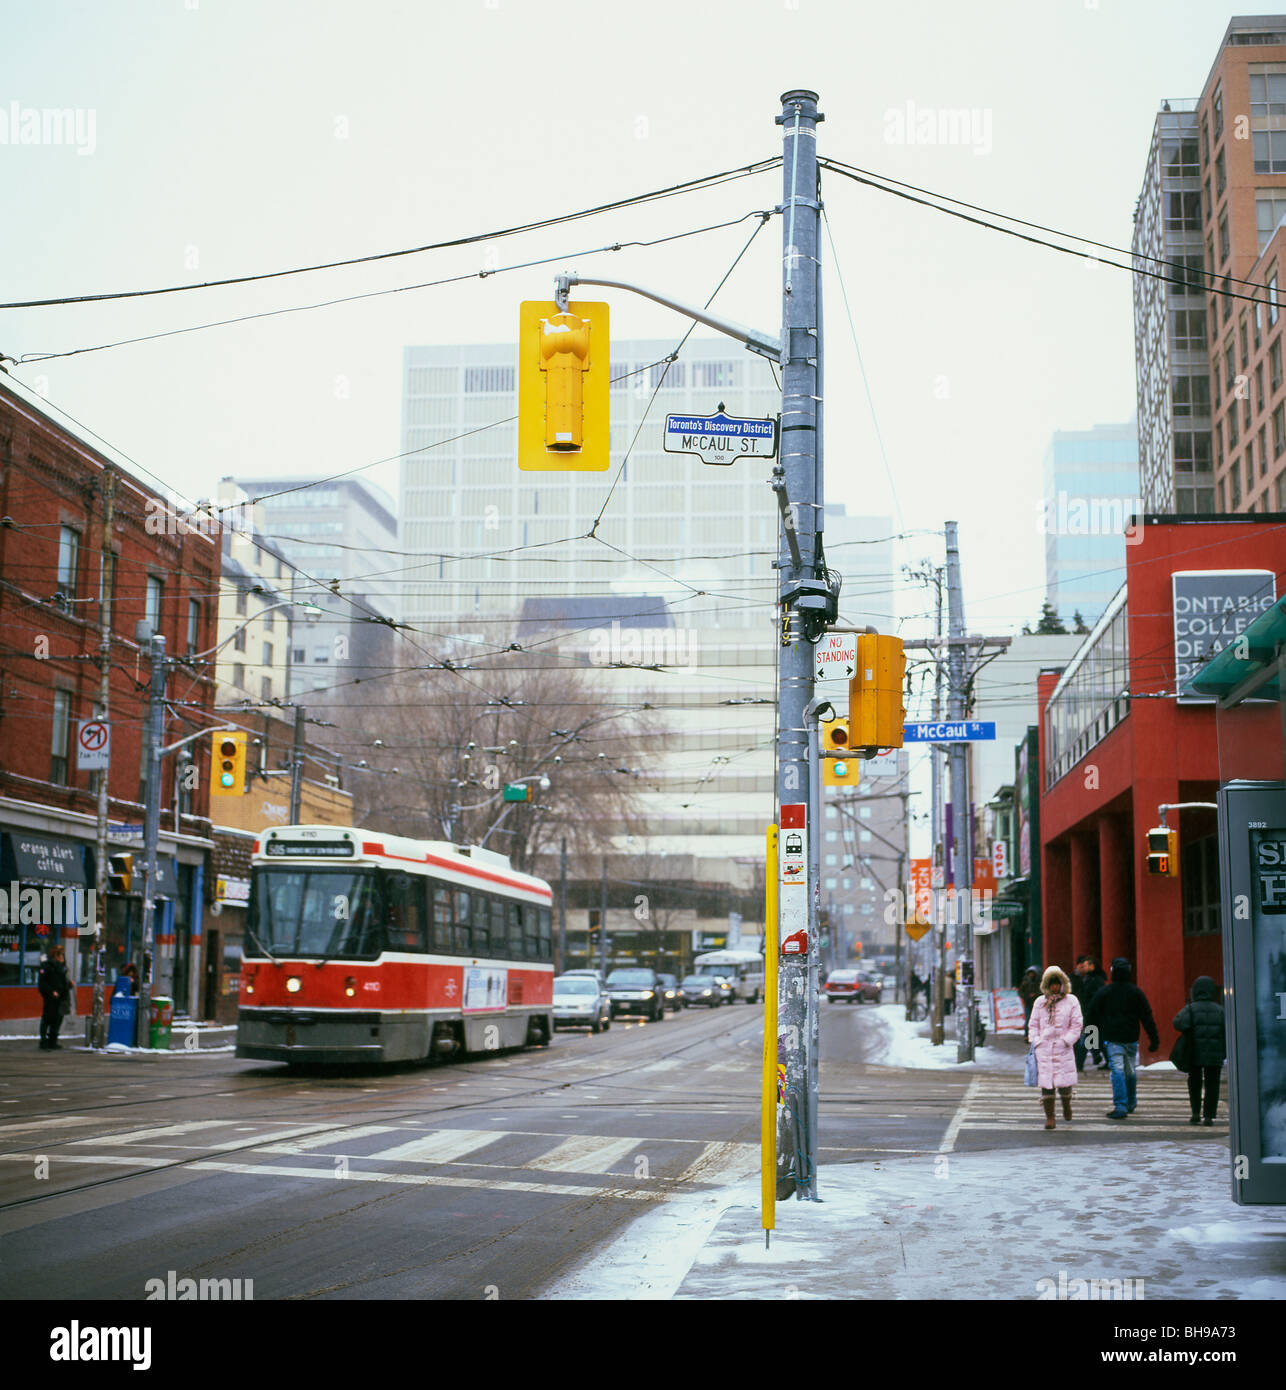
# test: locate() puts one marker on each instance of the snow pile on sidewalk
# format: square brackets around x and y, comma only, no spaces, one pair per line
[907,1044]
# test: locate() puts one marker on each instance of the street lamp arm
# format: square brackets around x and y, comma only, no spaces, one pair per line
[765,344]
[241,627]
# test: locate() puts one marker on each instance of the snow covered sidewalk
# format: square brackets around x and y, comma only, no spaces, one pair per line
[1143,1222]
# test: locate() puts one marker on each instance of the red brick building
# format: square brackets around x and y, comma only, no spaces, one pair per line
[1118,741]
[55,572]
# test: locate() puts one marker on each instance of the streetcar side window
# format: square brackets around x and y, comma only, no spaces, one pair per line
[463,922]
[546,938]
[404,914]
[441,918]
[531,923]
[515,929]
[498,926]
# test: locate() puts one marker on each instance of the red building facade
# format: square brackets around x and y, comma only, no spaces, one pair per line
[57,564]
[1118,741]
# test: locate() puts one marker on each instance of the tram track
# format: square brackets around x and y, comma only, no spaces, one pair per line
[542,1086]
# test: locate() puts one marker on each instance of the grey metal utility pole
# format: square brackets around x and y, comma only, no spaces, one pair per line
[602,921]
[961,817]
[939,927]
[297,767]
[798,483]
[153,737]
[562,905]
[106,561]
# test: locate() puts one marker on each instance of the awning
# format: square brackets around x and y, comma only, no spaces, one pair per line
[36,858]
[1250,666]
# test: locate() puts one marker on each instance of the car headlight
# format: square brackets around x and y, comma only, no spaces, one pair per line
[649,994]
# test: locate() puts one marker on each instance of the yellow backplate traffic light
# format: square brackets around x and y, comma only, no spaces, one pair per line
[875,706]
[228,763]
[564,384]
[838,772]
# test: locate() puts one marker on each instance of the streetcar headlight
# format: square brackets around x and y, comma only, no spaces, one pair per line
[350,986]
[294,984]
[250,989]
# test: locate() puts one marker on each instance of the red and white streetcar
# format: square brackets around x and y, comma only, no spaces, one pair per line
[366,947]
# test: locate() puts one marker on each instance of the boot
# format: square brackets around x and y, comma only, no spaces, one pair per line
[1048,1103]
[1066,1093]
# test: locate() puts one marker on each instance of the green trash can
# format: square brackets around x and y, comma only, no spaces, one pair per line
[160,1022]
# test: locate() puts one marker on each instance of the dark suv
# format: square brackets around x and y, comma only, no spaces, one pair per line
[635,990]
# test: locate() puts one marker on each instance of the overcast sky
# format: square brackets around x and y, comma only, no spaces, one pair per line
[224,137]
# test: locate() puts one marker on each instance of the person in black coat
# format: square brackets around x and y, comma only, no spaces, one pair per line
[1203,1019]
[1087,980]
[55,991]
[1118,1010]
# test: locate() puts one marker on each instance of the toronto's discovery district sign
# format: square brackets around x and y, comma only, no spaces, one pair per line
[719,438]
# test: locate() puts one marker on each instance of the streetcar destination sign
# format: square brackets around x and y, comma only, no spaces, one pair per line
[719,438]
[961,731]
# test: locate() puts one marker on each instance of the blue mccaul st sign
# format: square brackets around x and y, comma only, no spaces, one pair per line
[720,438]
[961,731]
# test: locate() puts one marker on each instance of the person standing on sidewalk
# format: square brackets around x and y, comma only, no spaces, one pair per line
[55,992]
[1117,1011]
[1203,1018]
[1053,1028]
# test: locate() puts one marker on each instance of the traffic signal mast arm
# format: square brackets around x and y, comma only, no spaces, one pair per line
[765,344]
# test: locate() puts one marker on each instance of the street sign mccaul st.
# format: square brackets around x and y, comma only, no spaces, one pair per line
[946,731]
[719,438]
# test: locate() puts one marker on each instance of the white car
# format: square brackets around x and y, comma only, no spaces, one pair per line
[581,1002]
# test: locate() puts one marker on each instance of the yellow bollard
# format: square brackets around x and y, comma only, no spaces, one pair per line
[768,1096]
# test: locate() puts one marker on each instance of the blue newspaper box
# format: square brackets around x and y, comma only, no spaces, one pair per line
[120,1027]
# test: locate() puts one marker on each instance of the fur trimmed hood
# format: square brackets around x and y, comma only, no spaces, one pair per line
[1054,973]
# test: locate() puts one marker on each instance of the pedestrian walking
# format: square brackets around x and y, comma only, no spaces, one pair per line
[1053,1028]
[1118,1010]
[1028,992]
[1087,980]
[55,992]
[948,992]
[1203,1021]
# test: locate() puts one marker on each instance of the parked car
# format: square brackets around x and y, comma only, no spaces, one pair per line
[701,989]
[635,990]
[581,1002]
[670,986]
[853,986]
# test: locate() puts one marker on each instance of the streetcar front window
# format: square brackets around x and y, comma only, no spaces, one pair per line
[329,913]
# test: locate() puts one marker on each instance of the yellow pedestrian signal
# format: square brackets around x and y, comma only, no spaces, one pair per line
[875,706]
[229,763]
[564,380]
[838,772]
[1163,852]
[120,873]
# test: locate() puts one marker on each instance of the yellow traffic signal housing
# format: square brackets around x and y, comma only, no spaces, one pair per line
[1163,852]
[838,772]
[564,384]
[228,776]
[875,705]
[120,873]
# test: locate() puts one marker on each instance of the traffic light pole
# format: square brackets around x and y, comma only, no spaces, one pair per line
[798,482]
[961,811]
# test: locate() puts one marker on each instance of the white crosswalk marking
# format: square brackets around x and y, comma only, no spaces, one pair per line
[1000,1104]
[441,1147]
[154,1134]
[329,1136]
[29,1125]
[587,1153]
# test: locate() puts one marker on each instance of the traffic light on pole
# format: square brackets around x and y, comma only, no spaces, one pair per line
[229,760]
[838,772]
[875,706]
[1163,852]
[120,873]
[564,382]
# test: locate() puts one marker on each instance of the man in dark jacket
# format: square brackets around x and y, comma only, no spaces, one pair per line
[1087,980]
[1117,1011]
[1028,992]
[1204,1020]
[55,991]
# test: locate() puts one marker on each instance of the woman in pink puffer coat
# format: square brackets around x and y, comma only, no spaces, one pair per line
[1055,1026]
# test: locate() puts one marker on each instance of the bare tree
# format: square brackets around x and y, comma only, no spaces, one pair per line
[458,738]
